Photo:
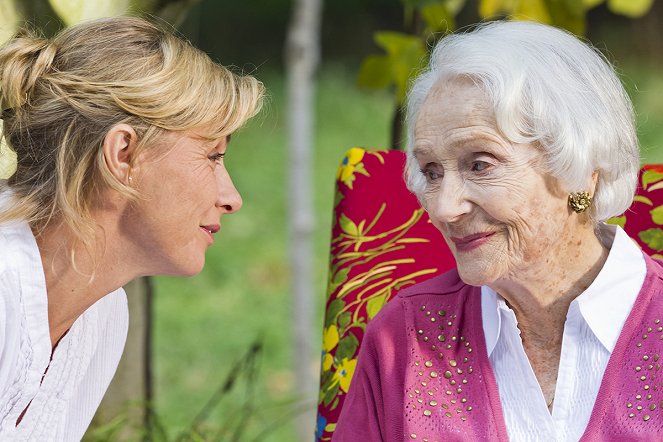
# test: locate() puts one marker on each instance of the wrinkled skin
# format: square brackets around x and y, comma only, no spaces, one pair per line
[505,218]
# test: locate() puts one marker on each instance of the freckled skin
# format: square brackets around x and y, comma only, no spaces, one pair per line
[540,255]
[182,188]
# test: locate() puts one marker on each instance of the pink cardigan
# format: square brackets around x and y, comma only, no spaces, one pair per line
[423,371]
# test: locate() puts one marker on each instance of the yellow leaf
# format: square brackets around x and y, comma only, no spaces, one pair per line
[374,305]
[490,8]
[655,186]
[643,199]
[589,4]
[7,160]
[9,19]
[75,11]
[657,215]
[630,8]
[617,220]
[535,10]
[347,225]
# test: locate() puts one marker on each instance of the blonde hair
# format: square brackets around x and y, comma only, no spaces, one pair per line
[60,97]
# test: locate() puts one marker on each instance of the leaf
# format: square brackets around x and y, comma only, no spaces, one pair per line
[374,305]
[330,428]
[347,225]
[536,10]
[568,14]
[359,168]
[330,395]
[655,186]
[7,160]
[10,20]
[491,8]
[337,279]
[75,11]
[326,379]
[653,238]
[438,18]
[649,177]
[375,72]
[643,199]
[347,347]
[454,6]
[657,215]
[333,310]
[338,197]
[617,220]
[406,55]
[344,320]
[589,4]
[630,8]
[341,276]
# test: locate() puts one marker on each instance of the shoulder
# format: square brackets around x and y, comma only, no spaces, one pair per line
[114,310]
[448,283]
[395,313]
[113,320]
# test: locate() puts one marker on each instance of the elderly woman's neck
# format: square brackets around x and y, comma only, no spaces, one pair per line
[74,278]
[541,295]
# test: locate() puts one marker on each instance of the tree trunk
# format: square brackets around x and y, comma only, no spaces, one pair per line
[302,54]
[130,393]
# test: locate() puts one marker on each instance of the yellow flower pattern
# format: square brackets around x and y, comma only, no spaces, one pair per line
[351,163]
[344,373]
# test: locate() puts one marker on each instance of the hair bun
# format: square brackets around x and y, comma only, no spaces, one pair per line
[23,61]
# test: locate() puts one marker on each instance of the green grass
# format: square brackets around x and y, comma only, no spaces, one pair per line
[204,324]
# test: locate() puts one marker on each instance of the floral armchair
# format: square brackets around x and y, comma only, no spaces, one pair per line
[383,241]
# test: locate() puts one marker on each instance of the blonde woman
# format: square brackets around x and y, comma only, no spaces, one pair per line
[120,130]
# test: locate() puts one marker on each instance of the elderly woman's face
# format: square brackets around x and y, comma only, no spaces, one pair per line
[498,209]
[184,193]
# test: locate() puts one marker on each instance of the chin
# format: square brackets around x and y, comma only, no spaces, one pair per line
[473,275]
[188,268]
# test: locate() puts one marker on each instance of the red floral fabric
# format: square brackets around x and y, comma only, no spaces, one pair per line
[383,241]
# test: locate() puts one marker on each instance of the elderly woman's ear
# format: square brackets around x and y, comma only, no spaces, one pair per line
[119,151]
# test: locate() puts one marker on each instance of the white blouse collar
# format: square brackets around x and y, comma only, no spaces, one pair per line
[604,305]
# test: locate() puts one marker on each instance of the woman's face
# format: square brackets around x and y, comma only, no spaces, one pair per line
[502,215]
[185,189]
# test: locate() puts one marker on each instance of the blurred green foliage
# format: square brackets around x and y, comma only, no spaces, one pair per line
[406,52]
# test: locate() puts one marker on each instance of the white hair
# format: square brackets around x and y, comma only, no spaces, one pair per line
[546,87]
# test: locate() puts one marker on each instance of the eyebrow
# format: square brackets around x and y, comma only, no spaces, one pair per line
[418,151]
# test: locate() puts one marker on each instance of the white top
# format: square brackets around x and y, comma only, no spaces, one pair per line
[593,324]
[63,402]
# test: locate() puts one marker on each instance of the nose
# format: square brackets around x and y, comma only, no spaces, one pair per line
[228,198]
[449,202]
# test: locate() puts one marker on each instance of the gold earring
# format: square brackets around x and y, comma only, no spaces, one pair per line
[580,201]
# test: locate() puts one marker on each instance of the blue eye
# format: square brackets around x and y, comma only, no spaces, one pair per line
[430,175]
[479,166]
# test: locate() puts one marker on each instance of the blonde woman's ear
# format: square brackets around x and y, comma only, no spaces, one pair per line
[119,149]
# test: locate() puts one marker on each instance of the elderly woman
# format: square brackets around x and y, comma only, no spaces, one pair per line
[522,143]
[120,130]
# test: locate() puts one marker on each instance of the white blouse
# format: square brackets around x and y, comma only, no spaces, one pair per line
[593,324]
[63,401]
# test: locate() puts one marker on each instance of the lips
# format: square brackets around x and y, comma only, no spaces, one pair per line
[210,230]
[470,242]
